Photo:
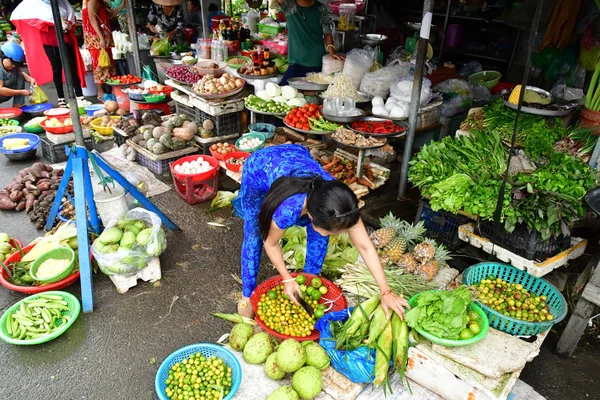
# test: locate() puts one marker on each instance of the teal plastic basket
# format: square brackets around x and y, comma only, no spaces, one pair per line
[555,300]
[207,350]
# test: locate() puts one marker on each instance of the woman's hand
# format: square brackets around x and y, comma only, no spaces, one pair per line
[292,288]
[25,92]
[395,303]
[32,82]
[337,57]
[102,42]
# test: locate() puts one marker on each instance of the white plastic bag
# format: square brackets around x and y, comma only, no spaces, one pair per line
[129,261]
[358,63]
[402,90]
[331,65]
[378,83]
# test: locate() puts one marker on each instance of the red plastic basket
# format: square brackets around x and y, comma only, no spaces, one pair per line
[196,188]
[57,130]
[10,113]
[166,90]
[235,154]
[219,156]
[333,293]
[68,281]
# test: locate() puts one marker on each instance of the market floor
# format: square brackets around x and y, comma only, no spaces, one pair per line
[114,352]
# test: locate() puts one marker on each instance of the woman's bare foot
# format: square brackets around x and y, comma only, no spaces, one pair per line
[245,308]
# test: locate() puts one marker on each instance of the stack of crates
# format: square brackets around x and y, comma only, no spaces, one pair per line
[226,124]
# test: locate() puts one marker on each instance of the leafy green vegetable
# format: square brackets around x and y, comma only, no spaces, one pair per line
[442,313]
[222,199]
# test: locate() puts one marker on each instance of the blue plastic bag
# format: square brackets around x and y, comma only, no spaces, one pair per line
[356,365]
[109,97]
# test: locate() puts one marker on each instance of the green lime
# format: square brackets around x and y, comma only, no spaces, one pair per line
[316,295]
[474,327]
[319,313]
[466,334]
[316,282]
[272,294]
[300,279]
[309,290]
[322,306]
[323,289]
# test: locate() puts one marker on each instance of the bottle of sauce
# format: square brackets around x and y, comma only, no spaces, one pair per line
[266,55]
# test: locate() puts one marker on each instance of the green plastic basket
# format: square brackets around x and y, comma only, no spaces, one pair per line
[73,312]
[489,79]
[555,300]
[250,136]
[57,253]
[33,128]
[484,325]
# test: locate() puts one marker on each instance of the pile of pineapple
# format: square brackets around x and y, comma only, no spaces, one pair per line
[402,244]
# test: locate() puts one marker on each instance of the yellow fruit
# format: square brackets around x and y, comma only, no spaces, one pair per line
[514,95]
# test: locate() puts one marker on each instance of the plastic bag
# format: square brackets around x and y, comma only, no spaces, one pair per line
[129,261]
[356,365]
[103,59]
[378,83]
[160,47]
[481,94]
[470,68]
[401,90]
[358,63]
[457,96]
[38,96]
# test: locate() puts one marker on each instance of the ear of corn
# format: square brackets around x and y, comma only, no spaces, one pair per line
[383,353]
[400,346]
[377,325]
[359,317]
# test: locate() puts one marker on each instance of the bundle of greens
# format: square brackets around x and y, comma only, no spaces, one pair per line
[442,313]
[339,252]
[579,143]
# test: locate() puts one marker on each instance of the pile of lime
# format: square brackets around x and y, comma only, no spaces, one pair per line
[8,122]
[199,377]
[513,300]
[473,327]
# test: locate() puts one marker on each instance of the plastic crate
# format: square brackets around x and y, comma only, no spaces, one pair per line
[119,139]
[555,300]
[226,124]
[270,30]
[105,145]
[191,112]
[522,242]
[441,225]
[55,153]
[159,167]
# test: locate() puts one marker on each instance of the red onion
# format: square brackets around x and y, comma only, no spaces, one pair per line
[183,74]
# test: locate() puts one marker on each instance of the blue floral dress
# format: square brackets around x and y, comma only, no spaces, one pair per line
[260,171]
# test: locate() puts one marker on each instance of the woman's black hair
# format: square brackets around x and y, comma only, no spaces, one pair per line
[331,204]
[195,3]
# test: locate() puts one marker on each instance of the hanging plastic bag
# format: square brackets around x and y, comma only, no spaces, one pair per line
[160,47]
[38,96]
[457,96]
[358,63]
[127,246]
[103,59]
[378,83]
[356,365]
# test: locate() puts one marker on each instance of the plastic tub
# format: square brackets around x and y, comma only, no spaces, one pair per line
[267,130]
[57,112]
[61,253]
[90,110]
[207,350]
[11,130]
[57,130]
[111,205]
[155,98]
[489,79]
[11,113]
[36,110]
[167,90]
[198,187]
[235,154]
[20,154]
[103,130]
[249,136]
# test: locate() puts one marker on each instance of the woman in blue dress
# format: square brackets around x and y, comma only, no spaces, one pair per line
[283,186]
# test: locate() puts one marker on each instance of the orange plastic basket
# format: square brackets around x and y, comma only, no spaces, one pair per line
[334,294]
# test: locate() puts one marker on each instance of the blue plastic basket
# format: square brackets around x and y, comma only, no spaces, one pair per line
[267,130]
[555,300]
[207,350]
[91,109]
[34,141]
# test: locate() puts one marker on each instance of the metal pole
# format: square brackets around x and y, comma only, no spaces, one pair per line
[133,37]
[66,63]
[444,31]
[416,95]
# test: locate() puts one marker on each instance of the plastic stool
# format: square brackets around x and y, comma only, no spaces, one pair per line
[162,106]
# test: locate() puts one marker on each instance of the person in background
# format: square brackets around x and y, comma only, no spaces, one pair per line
[213,10]
[166,18]
[12,78]
[35,23]
[118,7]
[309,36]
[194,19]
[97,36]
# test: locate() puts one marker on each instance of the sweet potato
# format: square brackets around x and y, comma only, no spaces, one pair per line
[37,169]
[30,186]
[21,206]
[28,178]
[29,203]
[48,168]
[25,192]
[7,204]
[43,186]
[16,196]
[54,186]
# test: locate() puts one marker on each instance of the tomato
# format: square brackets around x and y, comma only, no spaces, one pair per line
[312,108]
[299,125]
[304,120]
[295,120]
[306,127]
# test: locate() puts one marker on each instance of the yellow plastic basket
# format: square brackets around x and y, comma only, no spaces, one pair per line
[103,130]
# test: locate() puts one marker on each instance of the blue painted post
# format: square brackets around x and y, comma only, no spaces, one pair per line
[134,191]
[89,194]
[85,267]
[60,192]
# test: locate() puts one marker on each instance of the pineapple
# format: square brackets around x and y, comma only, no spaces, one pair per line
[407,262]
[428,270]
[395,249]
[424,251]
[407,234]
[388,231]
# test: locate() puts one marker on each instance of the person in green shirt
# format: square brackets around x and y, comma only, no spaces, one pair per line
[309,36]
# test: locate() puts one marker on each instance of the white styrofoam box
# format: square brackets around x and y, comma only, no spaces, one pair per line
[151,273]
[537,269]
[66,137]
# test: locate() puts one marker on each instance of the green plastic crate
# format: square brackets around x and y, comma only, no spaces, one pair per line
[270,30]
[555,300]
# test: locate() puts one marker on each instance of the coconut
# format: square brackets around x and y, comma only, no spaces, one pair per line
[284,393]
[240,334]
[290,355]
[316,356]
[271,368]
[258,348]
[307,382]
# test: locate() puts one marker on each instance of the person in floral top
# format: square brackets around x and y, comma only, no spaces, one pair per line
[166,18]
[97,36]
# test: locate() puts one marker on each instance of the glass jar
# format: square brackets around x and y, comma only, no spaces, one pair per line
[347,17]
[204,49]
